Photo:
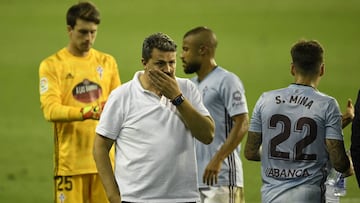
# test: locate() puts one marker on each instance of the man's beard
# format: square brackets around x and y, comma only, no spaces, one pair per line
[192,68]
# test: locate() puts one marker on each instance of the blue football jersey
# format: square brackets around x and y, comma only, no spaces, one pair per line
[294,123]
[224,96]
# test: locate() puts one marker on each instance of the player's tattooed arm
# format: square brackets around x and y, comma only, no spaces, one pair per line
[338,157]
[253,146]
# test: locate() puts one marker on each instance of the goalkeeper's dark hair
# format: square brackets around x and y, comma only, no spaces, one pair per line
[159,41]
[83,10]
[307,56]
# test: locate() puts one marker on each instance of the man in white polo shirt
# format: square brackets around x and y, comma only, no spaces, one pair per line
[154,120]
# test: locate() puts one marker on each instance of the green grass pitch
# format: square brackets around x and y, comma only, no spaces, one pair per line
[254,42]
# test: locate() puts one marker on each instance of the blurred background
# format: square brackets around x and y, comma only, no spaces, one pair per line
[254,42]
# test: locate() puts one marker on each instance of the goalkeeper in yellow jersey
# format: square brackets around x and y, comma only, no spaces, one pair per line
[75,83]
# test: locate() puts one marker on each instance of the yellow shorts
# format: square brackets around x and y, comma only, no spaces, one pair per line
[85,188]
[222,194]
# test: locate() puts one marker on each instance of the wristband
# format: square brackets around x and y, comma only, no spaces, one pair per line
[178,100]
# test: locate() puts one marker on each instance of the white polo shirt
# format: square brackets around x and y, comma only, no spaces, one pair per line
[155,153]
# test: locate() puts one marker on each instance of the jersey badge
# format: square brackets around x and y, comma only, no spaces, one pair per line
[44,85]
[100,71]
[62,197]
[236,96]
[204,91]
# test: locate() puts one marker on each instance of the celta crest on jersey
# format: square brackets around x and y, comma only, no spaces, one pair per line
[100,71]
[204,91]
[62,197]
[87,91]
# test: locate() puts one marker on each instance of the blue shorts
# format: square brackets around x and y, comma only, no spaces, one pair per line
[302,193]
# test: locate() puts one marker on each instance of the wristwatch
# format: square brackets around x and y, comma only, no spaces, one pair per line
[178,100]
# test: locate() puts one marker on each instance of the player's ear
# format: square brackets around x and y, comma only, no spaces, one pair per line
[202,49]
[69,29]
[292,69]
[143,62]
[322,69]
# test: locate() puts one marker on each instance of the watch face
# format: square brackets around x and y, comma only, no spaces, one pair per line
[178,100]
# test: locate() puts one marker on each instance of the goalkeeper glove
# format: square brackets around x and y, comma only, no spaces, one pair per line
[92,112]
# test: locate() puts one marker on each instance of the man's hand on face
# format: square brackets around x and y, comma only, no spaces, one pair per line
[165,83]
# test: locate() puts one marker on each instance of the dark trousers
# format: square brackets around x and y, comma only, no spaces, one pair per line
[355,140]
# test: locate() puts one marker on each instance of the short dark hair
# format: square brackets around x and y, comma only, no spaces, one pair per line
[207,36]
[307,56]
[84,11]
[159,41]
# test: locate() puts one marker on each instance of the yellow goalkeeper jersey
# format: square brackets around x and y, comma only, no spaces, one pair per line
[68,83]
